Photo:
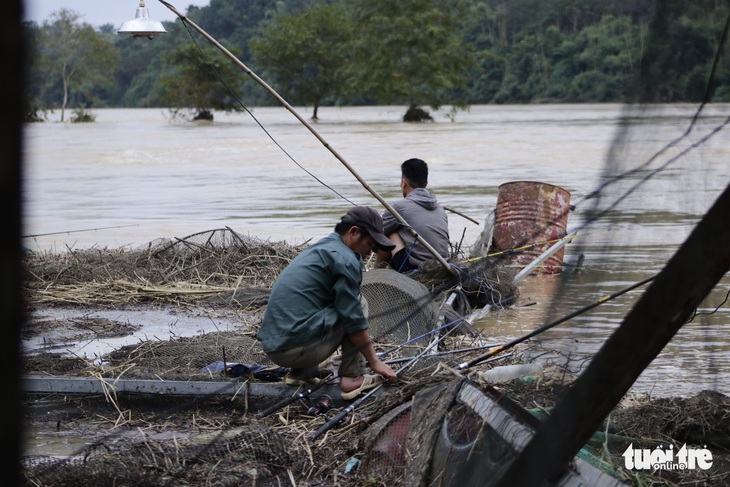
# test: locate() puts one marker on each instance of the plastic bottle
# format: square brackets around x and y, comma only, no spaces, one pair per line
[506,373]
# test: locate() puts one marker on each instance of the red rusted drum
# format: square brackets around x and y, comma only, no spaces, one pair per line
[530,213]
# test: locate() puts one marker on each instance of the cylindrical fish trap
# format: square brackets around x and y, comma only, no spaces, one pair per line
[529,218]
[400,309]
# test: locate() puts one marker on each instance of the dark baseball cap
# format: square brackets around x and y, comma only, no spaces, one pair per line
[370,220]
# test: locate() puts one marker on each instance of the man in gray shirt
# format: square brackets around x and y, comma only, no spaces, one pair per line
[423,213]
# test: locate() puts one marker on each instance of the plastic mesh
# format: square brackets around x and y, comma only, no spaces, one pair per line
[400,308]
[473,442]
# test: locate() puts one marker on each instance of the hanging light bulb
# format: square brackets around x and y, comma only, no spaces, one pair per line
[141,25]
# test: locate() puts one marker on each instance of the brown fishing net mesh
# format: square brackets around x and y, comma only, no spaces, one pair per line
[187,357]
[249,454]
[484,280]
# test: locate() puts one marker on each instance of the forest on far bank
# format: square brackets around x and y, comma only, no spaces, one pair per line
[415,53]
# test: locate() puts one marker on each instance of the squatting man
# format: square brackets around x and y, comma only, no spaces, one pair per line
[315,307]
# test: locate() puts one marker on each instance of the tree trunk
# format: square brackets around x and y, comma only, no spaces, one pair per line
[316,109]
[65,93]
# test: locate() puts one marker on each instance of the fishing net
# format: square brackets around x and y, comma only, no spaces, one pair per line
[249,454]
[665,168]
[486,281]
[204,357]
[455,434]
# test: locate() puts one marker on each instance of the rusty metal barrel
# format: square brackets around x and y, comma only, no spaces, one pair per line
[529,218]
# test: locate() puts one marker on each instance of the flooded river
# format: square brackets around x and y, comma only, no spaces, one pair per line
[134,176]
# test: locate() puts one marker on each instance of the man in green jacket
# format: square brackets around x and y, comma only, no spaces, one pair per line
[315,307]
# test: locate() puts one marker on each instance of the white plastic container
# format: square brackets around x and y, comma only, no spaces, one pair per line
[506,373]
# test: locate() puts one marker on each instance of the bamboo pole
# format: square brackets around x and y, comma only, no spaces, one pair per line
[286,105]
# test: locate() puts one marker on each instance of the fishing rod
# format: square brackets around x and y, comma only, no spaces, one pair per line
[449,352]
[75,231]
[341,415]
[519,249]
[299,395]
[316,134]
[512,343]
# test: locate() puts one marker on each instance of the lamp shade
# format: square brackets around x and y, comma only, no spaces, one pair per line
[141,25]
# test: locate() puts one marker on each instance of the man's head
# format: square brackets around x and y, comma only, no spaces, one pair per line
[414,174]
[361,229]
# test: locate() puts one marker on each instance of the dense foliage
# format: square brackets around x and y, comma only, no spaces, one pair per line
[408,52]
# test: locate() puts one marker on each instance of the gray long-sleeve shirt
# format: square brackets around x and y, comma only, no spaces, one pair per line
[427,217]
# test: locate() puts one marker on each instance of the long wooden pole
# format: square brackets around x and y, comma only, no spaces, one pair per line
[286,105]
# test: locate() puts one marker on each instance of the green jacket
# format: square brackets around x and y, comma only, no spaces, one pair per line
[321,287]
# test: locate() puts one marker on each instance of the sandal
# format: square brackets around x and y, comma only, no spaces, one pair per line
[300,381]
[368,382]
[304,377]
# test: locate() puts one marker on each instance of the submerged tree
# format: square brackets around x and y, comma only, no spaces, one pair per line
[75,55]
[304,52]
[199,81]
[409,51]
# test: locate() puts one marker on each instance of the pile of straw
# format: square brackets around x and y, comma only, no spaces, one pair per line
[206,263]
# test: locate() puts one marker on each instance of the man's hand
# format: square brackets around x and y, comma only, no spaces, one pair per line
[383,369]
[361,339]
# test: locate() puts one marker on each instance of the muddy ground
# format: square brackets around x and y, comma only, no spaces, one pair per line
[141,439]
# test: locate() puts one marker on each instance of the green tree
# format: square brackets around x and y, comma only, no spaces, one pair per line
[75,56]
[678,54]
[597,64]
[33,75]
[199,81]
[409,51]
[303,52]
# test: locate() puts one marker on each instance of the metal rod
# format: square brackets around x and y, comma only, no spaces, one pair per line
[451,352]
[286,105]
[461,215]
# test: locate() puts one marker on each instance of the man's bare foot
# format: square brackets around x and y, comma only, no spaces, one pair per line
[354,386]
[348,384]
